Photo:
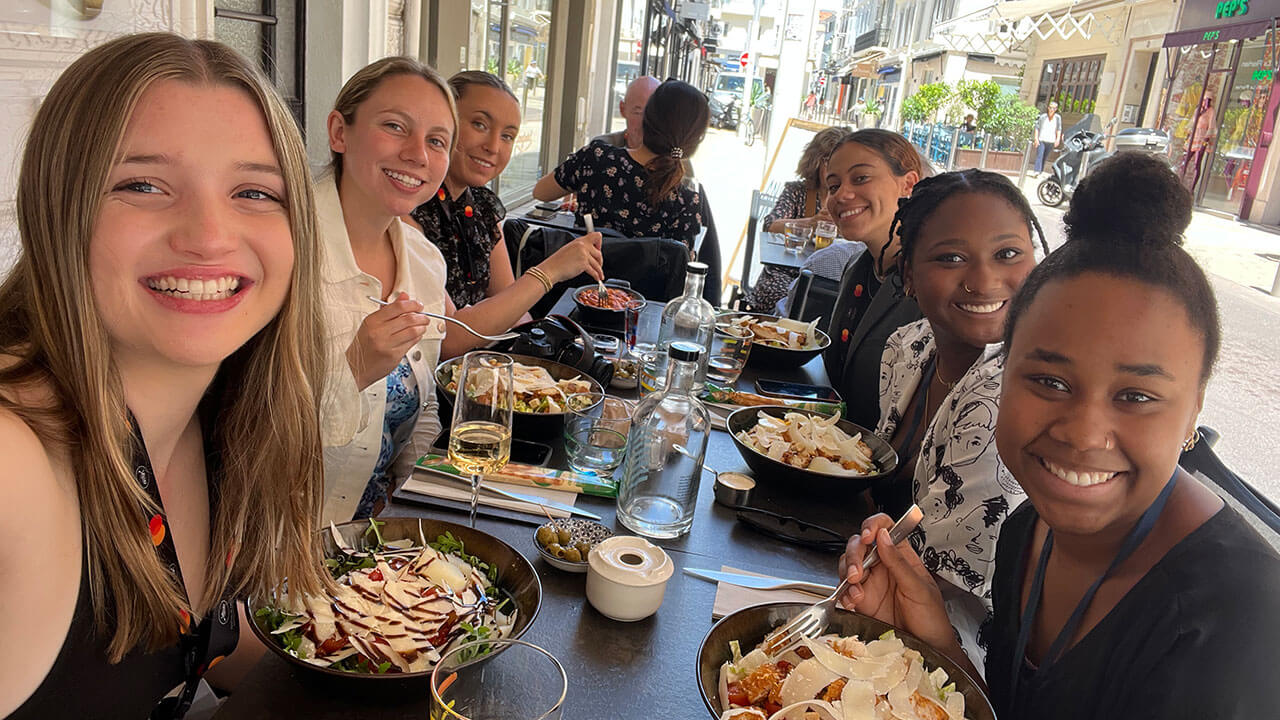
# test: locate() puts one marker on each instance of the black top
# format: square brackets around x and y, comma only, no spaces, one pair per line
[611,186]
[466,229]
[867,312]
[83,684]
[1197,637]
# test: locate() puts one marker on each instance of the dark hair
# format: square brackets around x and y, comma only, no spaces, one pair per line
[929,194]
[675,118]
[1126,220]
[896,151]
[462,80]
[816,153]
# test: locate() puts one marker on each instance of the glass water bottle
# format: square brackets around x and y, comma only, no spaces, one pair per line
[690,318]
[665,448]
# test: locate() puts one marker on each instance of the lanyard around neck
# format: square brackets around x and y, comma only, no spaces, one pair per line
[1131,542]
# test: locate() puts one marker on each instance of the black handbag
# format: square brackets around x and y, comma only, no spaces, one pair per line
[1202,460]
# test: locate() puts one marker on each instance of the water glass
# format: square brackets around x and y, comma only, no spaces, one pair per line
[595,432]
[824,233]
[512,679]
[730,348]
[796,235]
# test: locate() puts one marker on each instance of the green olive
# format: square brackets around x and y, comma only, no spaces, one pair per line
[584,549]
[564,535]
[555,549]
[546,536]
[572,555]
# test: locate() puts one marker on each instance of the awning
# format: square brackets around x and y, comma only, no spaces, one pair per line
[1240,31]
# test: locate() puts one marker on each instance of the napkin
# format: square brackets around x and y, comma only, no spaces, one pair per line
[435,487]
[731,598]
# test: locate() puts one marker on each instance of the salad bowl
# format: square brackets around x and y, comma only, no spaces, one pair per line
[516,580]
[525,423]
[775,357]
[749,627]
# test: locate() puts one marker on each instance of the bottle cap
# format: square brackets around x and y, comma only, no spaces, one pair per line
[697,268]
[684,351]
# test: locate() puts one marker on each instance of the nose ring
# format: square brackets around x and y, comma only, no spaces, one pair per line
[1107,445]
[966,288]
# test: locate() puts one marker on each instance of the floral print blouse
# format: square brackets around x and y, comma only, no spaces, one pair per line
[466,229]
[611,186]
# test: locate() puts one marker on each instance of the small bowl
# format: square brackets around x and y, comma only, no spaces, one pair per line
[627,577]
[580,530]
[766,470]
[776,358]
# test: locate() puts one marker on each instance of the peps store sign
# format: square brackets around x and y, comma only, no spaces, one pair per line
[1208,14]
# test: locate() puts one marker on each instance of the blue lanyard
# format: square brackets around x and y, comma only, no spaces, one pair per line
[1131,542]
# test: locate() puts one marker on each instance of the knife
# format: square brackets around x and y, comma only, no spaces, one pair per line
[532,500]
[759,583]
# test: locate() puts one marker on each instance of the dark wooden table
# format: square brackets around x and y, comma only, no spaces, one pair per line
[645,669]
[772,251]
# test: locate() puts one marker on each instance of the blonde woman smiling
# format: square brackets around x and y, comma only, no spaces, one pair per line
[167,279]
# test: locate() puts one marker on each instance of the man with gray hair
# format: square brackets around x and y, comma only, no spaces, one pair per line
[632,110]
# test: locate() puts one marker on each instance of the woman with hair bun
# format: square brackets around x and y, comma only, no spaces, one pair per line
[639,191]
[1124,587]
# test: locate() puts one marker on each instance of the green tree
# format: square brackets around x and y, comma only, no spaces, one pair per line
[924,103]
[1012,118]
[980,96]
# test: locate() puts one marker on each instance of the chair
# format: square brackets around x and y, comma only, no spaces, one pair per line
[706,248]
[1202,461]
[815,297]
[761,205]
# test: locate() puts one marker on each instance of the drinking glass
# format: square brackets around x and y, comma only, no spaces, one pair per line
[730,348]
[595,432]
[824,233]
[796,235]
[480,440]
[518,681]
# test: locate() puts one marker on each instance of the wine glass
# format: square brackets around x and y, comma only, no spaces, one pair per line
[480,440]
[506,678]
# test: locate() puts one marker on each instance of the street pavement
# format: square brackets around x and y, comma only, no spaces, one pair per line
[1242,400]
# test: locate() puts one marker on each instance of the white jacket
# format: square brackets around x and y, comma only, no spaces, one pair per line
[352,419]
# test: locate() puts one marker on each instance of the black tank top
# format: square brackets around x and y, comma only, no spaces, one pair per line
[83,684]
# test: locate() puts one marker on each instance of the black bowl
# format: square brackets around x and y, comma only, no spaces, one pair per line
[603,317]
[750,625]
[516,577]
[808,482]
[523,425]
[776,358]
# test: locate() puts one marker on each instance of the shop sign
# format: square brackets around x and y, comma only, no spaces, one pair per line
[1263,75]
[1208,15]
[1231,8]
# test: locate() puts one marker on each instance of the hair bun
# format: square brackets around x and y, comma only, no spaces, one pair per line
[1130,198]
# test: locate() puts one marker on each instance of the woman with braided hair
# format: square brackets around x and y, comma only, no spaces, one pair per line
[964,247]
[640,191]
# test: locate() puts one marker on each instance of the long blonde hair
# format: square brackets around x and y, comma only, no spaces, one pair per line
[367,79]
[267,426]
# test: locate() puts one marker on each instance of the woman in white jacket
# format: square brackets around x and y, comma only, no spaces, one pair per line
[391,131]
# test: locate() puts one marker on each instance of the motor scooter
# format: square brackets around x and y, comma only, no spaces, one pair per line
[724,115]
[1086,147]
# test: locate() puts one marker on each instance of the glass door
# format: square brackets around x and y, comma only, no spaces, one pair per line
[1240,117]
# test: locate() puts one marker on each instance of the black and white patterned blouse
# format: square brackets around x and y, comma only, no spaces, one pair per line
[466,229]
[611,186]
[960,482]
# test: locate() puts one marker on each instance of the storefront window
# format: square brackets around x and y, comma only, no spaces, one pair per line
[1073,83]
[630,38]
[1239,128]
[510,38]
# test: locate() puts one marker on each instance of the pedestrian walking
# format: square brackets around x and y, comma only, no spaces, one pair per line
[1048,134]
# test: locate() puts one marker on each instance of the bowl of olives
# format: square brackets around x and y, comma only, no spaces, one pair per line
[565,543]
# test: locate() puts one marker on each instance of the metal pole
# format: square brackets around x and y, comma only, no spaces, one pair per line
[986,140]
[955,140]
[1026,158]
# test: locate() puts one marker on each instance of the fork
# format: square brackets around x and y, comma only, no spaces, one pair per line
[814,620]
[468,328]
[600,291]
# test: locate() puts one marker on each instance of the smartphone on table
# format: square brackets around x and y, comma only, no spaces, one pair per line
[797,391]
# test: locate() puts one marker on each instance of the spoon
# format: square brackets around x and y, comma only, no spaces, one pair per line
[600,291]
[468,328]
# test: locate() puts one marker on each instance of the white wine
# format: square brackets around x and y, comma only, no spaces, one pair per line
[479,447]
